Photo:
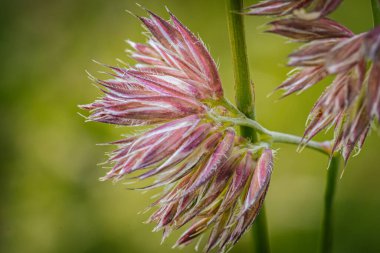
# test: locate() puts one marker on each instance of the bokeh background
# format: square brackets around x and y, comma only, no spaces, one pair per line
[51,199]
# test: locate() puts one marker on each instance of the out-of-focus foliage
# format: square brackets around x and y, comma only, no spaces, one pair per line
[51,199]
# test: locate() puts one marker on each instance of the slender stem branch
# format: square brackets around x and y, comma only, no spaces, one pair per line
[376,12]
[327,225]
[245,99]
[277,137]
[323,147]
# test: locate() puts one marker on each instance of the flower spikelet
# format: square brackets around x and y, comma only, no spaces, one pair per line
[213,180]
[304,9]
[351,102]
[308,30]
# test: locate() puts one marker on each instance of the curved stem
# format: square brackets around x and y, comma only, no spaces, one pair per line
[323,147]
[245,98]
[277,137]
[376,12]
[327,225]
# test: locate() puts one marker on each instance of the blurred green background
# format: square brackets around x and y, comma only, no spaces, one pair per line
[51,199]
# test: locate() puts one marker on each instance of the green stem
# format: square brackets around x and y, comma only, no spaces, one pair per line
[276,137]
[327,225]
[243,88]
[376,12]
[260,233]
[245,97]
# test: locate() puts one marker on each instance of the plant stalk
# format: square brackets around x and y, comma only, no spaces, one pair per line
[244,90]
[376,12]
[245,100]
[327,225]
[260,232]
